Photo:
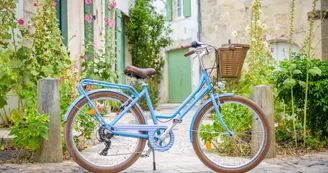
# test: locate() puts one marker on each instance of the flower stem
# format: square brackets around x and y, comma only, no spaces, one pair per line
[308,57]
[291,31]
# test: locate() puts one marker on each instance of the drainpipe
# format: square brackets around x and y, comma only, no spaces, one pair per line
[199,20]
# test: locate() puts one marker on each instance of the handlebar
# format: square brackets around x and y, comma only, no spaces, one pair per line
[186,46]
[189,53]
[194,44]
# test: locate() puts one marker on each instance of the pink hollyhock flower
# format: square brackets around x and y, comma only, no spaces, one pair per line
[94,44]
[85,57]
[9,9]
[113,5]
[54,4]
[74,35]
[88,18]
[9,149]
[88,1]
[105,19]
[35,4]
[272,50]
[111,23]
[20,22]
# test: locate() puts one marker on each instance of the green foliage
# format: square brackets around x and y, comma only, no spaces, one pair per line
[239,119]
[7,75]
[317,97]
[29,128]
[148,34]
[31,51]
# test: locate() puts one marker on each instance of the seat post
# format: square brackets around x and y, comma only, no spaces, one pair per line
[142,82]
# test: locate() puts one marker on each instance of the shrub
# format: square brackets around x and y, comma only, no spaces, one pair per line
[148,34]
[318,88]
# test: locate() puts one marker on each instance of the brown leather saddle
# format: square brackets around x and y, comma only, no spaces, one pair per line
[139,73]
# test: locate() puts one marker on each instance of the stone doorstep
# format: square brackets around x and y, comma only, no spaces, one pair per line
[5,138]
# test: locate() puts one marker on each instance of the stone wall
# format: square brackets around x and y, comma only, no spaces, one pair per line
[29,9]
[221,17]
[324,30]
[75,27]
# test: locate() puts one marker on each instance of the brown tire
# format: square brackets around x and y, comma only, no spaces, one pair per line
[71,146]
[254,162]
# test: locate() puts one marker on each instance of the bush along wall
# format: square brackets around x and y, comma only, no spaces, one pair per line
[148,34]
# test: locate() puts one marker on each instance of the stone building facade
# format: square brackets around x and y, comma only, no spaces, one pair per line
[221,17]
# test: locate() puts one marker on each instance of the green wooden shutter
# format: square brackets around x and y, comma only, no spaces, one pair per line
[88,9]
[61,13]
[169,10]
[187,8]
[88,36]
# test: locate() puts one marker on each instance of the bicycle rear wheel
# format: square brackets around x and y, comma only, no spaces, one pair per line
[91,145]
[240,152]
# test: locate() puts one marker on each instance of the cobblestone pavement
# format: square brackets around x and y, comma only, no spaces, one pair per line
[182,158]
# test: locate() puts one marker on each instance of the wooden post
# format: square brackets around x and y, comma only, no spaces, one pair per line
[263,96]
[49,103]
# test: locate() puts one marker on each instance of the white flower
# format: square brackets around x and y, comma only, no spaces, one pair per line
[265,44]
[259,22]
[264,26]
[235,34]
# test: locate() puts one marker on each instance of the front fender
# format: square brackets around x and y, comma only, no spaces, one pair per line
[201,107]
[96,91]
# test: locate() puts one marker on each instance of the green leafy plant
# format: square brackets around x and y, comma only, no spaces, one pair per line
[148,34]
[32,49]
[7,75]
[28,128]
[242,130]
[291,69]
[317,99]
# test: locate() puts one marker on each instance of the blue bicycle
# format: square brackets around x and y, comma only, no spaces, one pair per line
[107,131]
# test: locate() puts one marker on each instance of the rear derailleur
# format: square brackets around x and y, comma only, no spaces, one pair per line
[104,136]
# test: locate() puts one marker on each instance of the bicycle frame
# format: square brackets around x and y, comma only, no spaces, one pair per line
[181,111]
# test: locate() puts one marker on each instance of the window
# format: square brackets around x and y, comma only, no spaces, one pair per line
[279,50]
[179,8]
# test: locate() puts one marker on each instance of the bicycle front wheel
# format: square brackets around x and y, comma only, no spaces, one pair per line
[240,152]
[92,145]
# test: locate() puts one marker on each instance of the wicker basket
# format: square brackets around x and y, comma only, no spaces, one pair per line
[231,60]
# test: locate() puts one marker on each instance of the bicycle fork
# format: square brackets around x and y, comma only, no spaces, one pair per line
[217,110]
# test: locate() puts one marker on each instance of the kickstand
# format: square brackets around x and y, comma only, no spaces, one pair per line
[154,162]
